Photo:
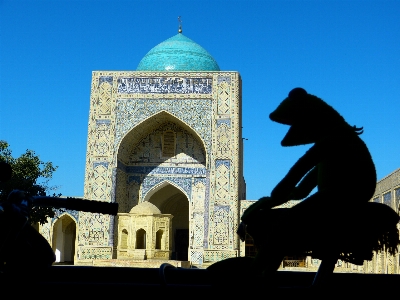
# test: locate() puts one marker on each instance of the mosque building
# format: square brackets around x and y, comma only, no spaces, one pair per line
[165,143]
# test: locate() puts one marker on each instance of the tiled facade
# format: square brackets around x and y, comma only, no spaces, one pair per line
[129,113]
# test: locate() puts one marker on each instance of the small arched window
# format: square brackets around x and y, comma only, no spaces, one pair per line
[124,239]
[141,239]
[159,236]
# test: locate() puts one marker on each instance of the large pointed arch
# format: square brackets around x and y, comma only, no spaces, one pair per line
[159,187]
[144,128]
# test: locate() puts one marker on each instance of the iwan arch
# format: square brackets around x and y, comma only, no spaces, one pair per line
[164,142]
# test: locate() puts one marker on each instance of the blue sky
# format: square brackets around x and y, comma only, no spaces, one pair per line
[345,52]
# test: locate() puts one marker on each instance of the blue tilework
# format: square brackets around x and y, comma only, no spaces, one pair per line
[225,162]
[178,53]
[108,79]
[59,212]
[202,180]
[185,183]
[153,170]
[224,79]
[100,163]
[106,122]
[224,121]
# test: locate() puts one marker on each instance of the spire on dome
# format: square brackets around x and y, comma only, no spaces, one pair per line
[180,24]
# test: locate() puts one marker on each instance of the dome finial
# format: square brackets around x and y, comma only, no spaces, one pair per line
[180,24]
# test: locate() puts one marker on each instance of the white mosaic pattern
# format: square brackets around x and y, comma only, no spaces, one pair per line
[164,85]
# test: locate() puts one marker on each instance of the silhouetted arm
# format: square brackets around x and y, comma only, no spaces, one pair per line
[306,185]
[281,193]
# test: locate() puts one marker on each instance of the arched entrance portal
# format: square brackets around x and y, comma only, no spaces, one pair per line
[63,241]
[170,200]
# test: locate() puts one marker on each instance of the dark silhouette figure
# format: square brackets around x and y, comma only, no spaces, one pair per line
[336,222]
[23,250]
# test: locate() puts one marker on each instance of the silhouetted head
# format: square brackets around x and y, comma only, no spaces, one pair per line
[309,117]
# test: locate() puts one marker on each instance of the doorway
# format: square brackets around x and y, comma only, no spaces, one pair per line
[63,241]
[171,200]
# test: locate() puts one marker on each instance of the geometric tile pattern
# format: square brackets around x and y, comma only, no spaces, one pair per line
[197,230]
[217,255]
[222,182]
[93,229]
[221,223]
[91,253]
[196,257]
[223,98]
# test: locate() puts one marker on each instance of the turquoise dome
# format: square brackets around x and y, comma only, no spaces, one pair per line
[178,53]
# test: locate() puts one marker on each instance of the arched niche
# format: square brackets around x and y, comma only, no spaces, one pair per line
[140,239]
[173,201]
[124,239]
[144,160]
[161,191]
[64,238]
[146,127]
[159,239]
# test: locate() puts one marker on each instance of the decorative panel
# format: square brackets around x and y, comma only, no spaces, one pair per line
[224,95]
[99,188]
[199,193]
[221,224]
[101,146]
[222,180]
[164,85]
[94,229]
[91,253]
[217,255]
[223,139]
[104,96]
[198,230]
